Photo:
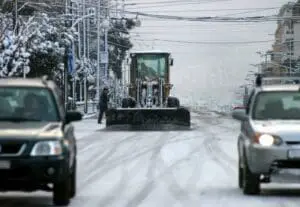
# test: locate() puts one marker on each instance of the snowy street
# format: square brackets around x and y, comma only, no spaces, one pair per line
[155,168]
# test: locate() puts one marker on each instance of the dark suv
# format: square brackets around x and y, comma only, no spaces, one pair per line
[37,142]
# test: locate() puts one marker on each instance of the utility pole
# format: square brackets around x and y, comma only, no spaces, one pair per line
[65,76]
[123,9]
[290,48]
[106,54]
[15,19]
[106,27]
[73,65]
[79,46]
[84,57]
[98,50]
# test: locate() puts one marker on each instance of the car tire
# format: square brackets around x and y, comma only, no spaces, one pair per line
[61,192]
[73,178]
[241,175]
[251,182]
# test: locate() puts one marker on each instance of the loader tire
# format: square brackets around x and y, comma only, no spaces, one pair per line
[125,102]
[173,102]
[183,116]
[131,102]
[138,118]
[111,116]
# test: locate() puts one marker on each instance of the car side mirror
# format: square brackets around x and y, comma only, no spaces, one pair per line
[73,116]
[240,114]
[171,62]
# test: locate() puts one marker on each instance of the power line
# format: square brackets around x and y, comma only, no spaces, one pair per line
[208,42]
[212,10]
[183,3]
[212,19]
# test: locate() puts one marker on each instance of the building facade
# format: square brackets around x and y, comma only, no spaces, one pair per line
[286,49]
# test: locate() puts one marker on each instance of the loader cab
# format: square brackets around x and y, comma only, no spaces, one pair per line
[150,66]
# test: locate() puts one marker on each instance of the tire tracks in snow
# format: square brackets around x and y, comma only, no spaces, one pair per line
[108,199]
[180,194]
[211,127]
[112,164]
[97,161]
[148,186]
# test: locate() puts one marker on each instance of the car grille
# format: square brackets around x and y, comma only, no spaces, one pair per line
[12,148]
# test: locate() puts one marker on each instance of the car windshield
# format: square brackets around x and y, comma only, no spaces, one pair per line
[27,104]
[281,105]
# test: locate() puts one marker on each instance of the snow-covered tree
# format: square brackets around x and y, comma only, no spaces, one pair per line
[38,44]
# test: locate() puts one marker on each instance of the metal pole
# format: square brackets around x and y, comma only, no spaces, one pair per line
[84,57]
[16,16]
[290,49]
[66,79]
[88,39]
[117,5]
[79,35]
[81,91]
[98,51]
[123,9]
[66,69]
[266,61]
[74,79]
[106,52]
[73,65]
[85,95]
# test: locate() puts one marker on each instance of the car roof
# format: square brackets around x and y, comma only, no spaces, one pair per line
[279,87]
[23,82]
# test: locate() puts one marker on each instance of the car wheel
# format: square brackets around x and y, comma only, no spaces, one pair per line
[241,176]
[61,192]
[73,185]
[251,183]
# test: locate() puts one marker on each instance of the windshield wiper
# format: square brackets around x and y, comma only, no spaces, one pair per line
[17,119]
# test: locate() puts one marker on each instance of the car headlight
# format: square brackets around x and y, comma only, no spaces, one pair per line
[47,148]
[268,140]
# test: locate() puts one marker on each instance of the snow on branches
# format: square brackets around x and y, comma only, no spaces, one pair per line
[36,34]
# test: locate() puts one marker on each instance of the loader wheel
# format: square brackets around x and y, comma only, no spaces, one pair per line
[183,116]
[138,118]
[131,102]
[125,102]
[251,183]
[111,116]
[173,102]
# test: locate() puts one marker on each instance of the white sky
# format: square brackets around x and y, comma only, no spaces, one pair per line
[204,72]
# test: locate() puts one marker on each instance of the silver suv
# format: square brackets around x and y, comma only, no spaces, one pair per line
[269,141]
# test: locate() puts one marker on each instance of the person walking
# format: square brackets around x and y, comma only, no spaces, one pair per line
[103,104]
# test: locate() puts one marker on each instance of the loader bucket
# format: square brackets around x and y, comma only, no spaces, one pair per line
[148,116]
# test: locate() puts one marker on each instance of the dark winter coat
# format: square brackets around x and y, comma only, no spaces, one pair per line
[103,102]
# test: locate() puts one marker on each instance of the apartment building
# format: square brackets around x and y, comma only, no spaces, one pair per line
[286,49]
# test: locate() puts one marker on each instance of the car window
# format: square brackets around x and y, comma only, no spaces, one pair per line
[277,105]
[27,103]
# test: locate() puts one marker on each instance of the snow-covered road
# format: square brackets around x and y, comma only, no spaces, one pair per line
[176,168]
